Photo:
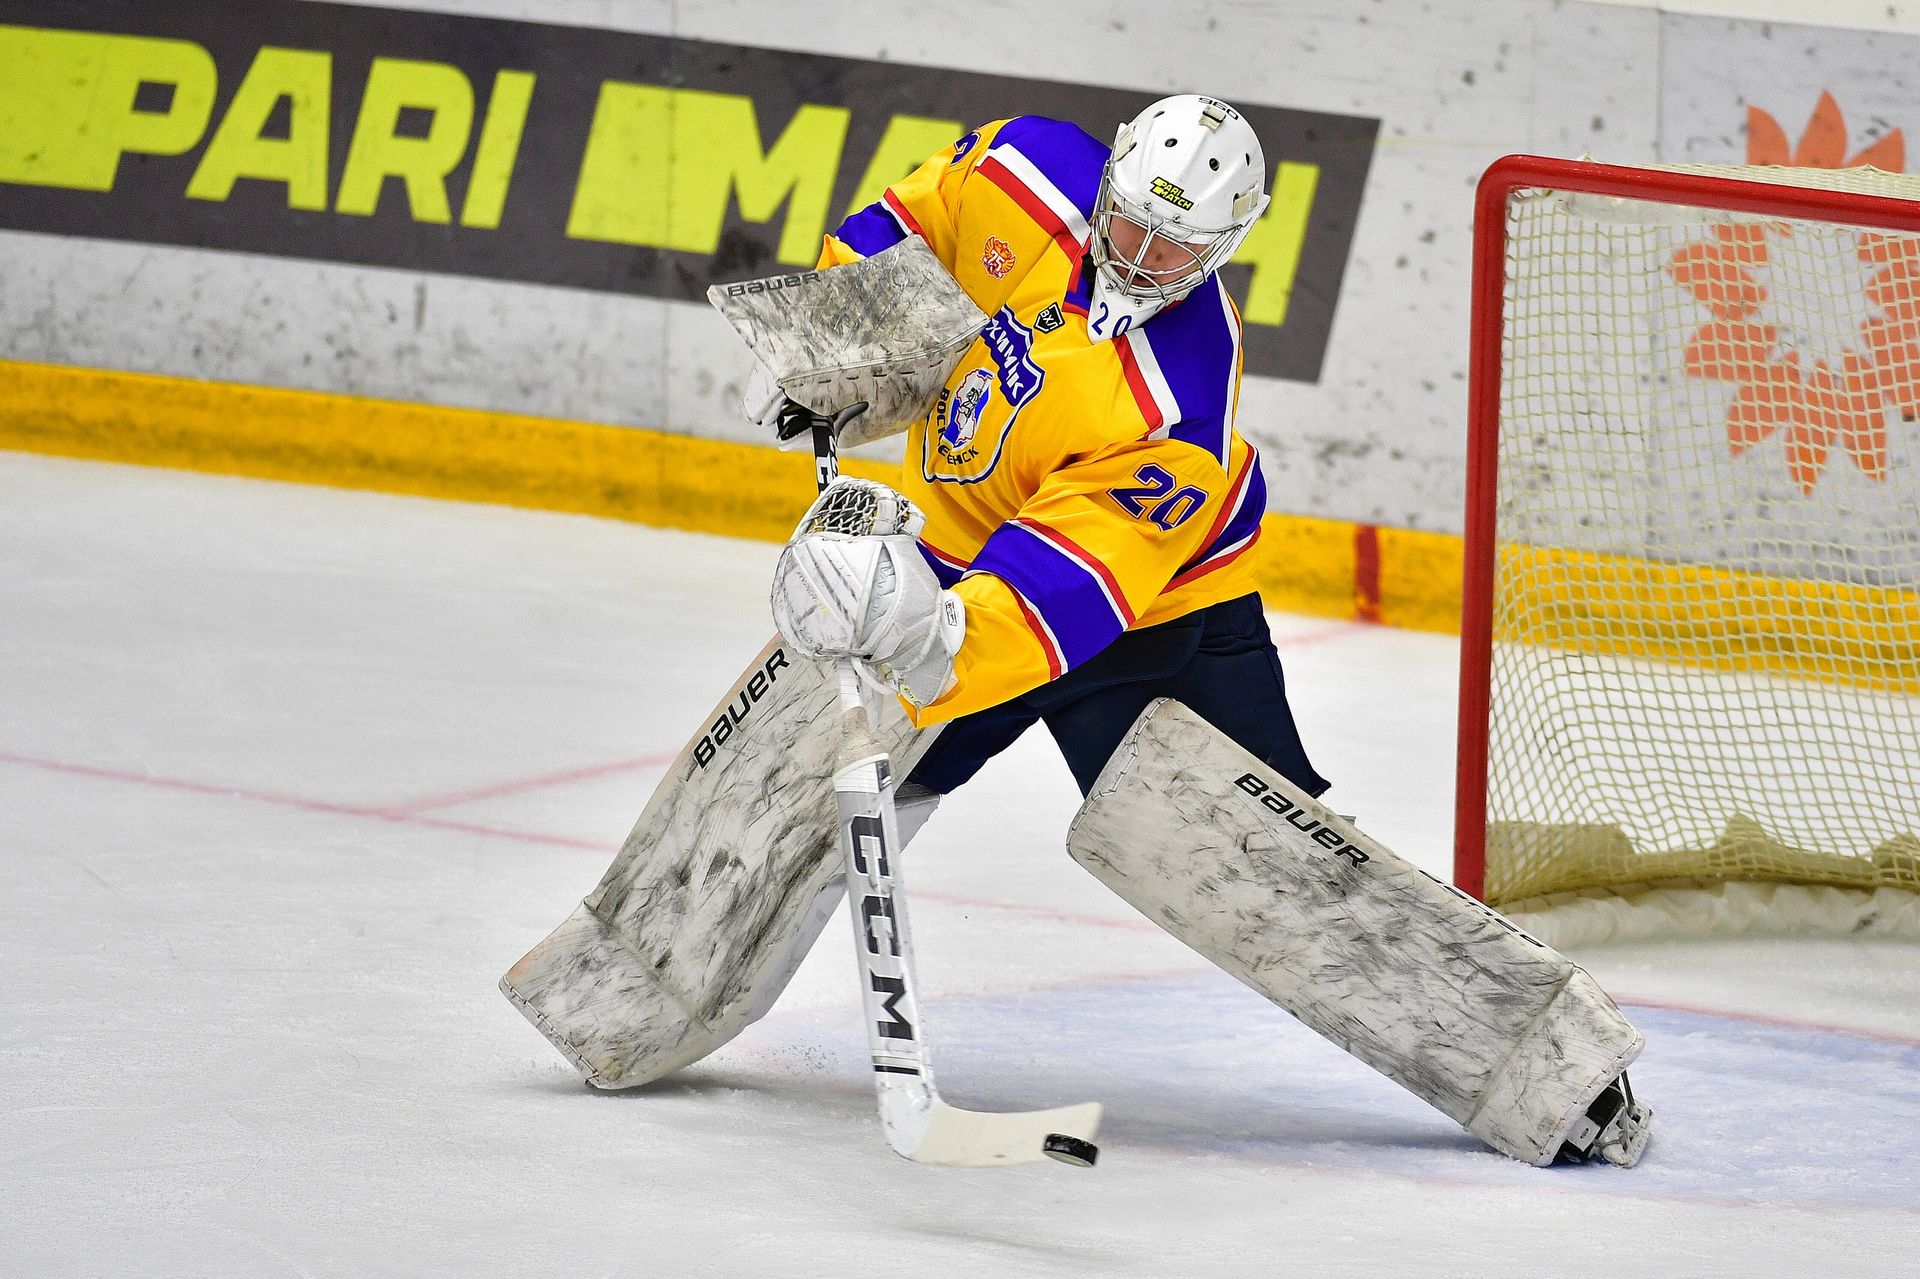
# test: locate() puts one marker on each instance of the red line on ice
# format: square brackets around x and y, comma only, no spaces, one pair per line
[1768,1019]
[406,817]
[1036,912]
[1319,635]
[497,789]
[295,801]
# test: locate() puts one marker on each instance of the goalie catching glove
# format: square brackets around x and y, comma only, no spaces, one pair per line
[852,583]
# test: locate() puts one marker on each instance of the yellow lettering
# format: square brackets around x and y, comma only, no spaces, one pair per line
[906,144]
[626,169]
[68,112]
[379,151]
[499,147]
[661,163]
[238,150]
[1273,248]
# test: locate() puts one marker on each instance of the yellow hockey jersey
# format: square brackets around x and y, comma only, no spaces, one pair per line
[1073,489]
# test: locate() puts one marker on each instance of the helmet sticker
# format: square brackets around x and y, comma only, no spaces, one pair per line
[1170,192]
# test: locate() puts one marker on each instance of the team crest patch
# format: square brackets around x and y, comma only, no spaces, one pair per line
[971,420]
[1050,319]
[959,415]
[997,257]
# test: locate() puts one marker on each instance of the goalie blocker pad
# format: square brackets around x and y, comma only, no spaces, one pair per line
[1426,985]
[886,330]
[719,891]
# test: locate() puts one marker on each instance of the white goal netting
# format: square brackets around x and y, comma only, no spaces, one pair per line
[1705,664]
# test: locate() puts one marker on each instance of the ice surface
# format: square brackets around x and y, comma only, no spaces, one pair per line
[289,776]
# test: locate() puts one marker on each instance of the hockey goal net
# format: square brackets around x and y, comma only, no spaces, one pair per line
[1690,693]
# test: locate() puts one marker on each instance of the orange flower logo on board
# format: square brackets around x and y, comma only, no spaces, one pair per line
[997,257]
[1818,387]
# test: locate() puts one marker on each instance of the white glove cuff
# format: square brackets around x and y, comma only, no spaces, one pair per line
[761,397]
[926,677]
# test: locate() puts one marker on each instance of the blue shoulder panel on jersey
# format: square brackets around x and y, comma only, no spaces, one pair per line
[872,229]
[1066,155]
[1196,344]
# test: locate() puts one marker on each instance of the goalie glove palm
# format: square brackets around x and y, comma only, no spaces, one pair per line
[852,583]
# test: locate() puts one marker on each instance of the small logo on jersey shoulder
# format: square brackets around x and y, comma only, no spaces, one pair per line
[1050,319]
[997,257]
[1170,192]
[958,413]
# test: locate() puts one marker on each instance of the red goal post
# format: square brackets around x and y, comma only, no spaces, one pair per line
[1691,618]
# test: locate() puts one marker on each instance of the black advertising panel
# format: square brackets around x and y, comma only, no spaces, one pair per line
[553,155]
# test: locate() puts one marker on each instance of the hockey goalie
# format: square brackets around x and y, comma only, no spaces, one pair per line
[1042,315]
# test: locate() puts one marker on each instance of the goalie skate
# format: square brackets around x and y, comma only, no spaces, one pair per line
[1614,1129]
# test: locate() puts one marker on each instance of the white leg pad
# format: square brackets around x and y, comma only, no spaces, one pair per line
[726,879]
[1431,988]
[1573,1048]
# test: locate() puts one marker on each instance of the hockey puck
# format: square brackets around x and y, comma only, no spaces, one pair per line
[1070,1150]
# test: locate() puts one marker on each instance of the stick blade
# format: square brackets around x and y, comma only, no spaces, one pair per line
[956,1138]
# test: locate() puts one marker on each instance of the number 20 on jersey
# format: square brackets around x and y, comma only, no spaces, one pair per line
[1159,497]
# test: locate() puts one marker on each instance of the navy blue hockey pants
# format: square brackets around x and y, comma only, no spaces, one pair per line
[1218,661]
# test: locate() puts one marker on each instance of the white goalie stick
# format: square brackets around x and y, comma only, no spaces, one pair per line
[917,1123]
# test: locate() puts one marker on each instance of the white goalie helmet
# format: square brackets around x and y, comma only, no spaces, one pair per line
[1184,186]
